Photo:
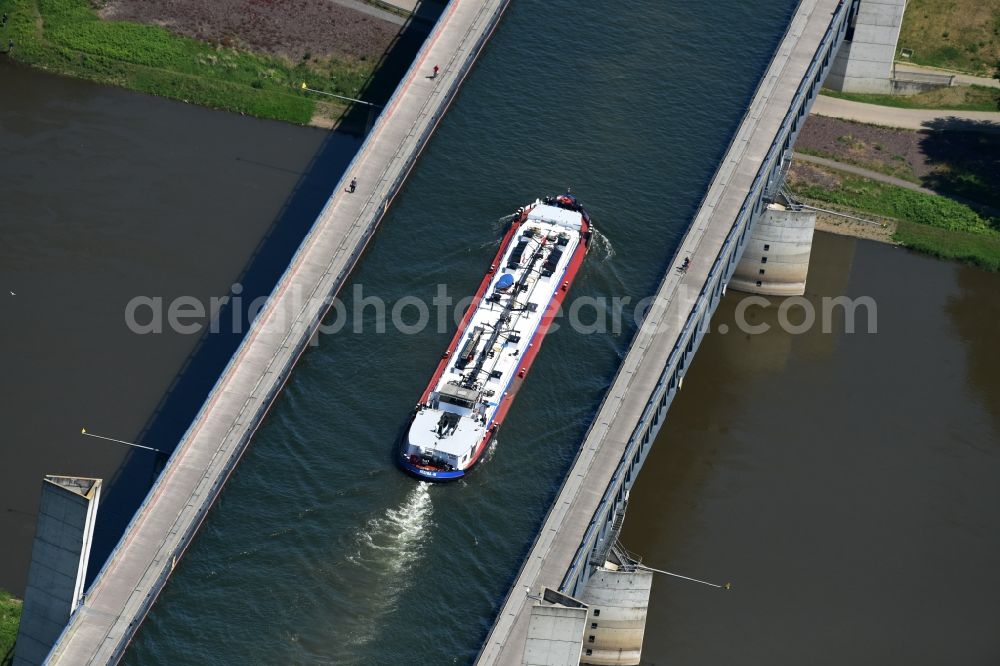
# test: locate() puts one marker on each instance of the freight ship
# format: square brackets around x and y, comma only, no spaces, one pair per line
[479,374]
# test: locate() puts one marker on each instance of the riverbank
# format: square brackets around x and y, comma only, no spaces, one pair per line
[964,247]
[934,191]
[881,231]
[10,619]
[930,224]
[233,55]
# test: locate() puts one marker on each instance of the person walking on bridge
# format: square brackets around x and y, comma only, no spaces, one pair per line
[353,186]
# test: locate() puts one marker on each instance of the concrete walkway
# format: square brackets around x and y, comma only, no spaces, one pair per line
[914,119]
[960,79]
[863,172]
[100,630]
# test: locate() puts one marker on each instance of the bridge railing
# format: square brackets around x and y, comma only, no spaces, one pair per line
[597,537]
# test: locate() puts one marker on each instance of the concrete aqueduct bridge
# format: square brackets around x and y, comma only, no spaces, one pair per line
[102,626]
[575,539]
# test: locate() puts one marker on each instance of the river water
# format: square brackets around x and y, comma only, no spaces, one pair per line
[106,195]
[845,483]
[320,551]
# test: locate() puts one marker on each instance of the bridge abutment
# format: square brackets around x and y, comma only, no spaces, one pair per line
[864,61]
[617,603]
[64,530]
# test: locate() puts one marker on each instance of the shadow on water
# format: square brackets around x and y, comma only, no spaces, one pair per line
[199,372]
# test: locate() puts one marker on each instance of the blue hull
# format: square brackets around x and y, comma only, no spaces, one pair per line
[431,475]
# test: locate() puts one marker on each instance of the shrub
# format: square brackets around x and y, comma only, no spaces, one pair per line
[903,204]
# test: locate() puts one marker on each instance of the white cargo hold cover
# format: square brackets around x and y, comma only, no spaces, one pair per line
[570,219]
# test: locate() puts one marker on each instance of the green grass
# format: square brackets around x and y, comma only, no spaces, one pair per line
[900,203]
[67,37]
[954,34]
[958,98]
[10,618]
[975,249]
[931,224]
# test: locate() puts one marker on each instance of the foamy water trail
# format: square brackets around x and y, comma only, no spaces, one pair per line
[502,223]
[491,449]
[601,246]
[385,552]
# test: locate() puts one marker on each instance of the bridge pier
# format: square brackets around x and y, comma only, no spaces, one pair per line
[605,626]
[775,261]
[617,601]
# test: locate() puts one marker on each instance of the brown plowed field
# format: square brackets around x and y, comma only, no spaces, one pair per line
[289,28]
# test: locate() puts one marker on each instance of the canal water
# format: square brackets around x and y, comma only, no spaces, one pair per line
[320,550]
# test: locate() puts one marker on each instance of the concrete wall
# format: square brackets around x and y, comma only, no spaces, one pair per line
[554,636]
[776,259]
[59,555]
[864,61]
[617,602]
[907,84]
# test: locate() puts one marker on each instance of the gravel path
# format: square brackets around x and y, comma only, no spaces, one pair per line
[861,171]
[915,119]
